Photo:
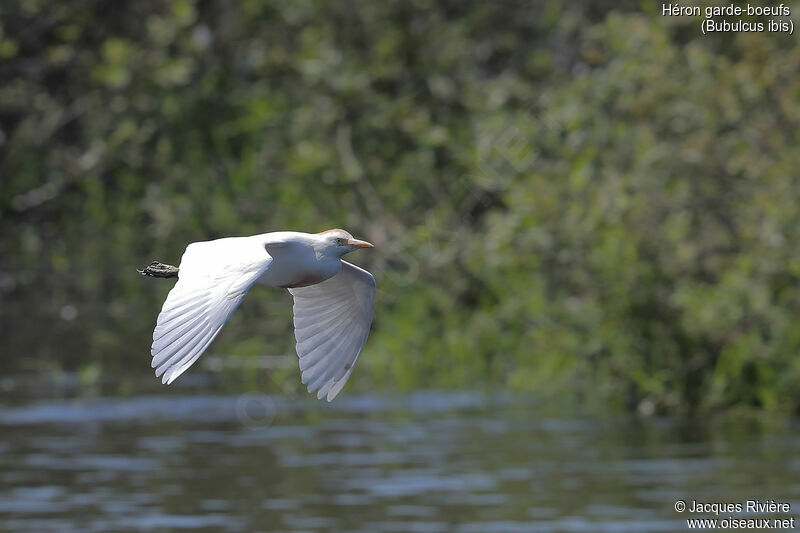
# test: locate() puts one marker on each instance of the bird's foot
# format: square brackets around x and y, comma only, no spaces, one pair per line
[159,270]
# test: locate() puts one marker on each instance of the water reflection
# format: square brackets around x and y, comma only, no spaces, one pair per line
[424,462]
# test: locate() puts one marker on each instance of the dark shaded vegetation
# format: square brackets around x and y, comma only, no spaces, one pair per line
[567,199]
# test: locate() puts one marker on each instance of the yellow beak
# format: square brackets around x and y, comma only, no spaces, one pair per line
[355,243]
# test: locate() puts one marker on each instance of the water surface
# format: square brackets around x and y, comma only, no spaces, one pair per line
[424,462]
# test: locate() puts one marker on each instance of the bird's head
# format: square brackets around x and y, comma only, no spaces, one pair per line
[340,242]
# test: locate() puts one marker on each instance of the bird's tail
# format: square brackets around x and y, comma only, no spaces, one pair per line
[159,270]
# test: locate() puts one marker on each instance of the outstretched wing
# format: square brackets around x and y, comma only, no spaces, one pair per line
[331,325]
[213,278]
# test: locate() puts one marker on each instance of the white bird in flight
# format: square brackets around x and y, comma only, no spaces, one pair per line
[333,300]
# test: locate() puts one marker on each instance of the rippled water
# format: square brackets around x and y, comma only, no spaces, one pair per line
[427,462]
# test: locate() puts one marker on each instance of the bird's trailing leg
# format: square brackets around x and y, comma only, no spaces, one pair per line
[159,270]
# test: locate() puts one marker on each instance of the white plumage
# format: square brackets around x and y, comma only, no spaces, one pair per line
[333,301]
[331,326]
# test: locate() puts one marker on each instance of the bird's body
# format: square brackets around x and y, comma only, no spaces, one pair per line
[333,300]
[298,261]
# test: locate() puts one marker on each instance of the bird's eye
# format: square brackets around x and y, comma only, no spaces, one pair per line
[341,242]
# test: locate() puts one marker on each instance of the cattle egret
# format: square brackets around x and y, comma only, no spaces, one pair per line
[333,300]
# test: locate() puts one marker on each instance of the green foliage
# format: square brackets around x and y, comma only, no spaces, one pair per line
[565,199]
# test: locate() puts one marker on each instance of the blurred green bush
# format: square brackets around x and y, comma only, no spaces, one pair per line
[582,200]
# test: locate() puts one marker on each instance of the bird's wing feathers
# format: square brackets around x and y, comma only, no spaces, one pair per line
[331,325]
[213,278]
